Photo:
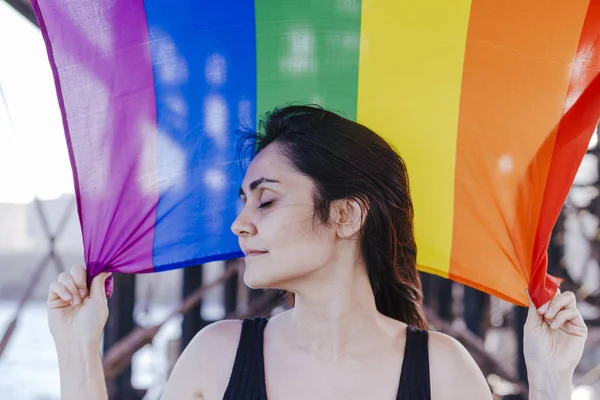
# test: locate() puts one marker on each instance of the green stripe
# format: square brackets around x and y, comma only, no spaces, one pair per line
[308,52]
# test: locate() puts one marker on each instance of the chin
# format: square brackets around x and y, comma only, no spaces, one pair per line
[261,275]
[257,278]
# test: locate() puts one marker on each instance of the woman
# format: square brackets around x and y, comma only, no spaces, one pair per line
[327,217]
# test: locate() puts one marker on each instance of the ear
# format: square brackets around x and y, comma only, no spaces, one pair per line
[348,216]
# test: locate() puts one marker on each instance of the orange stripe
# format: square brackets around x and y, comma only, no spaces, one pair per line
[515,80]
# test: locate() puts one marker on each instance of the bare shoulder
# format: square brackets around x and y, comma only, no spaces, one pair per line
[454,373]
[218,337]
[204,367]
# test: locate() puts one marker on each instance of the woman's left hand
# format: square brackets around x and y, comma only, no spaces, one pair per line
[554,338]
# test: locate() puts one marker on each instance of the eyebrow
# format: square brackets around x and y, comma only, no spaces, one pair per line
[255,184]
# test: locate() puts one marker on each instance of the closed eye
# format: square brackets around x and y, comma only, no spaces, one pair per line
[266,204]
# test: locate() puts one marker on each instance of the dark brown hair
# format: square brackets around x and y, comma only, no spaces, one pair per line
[345,159]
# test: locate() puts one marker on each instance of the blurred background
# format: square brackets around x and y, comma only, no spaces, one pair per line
[154,316]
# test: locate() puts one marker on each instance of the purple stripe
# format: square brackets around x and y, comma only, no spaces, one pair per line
[101,60]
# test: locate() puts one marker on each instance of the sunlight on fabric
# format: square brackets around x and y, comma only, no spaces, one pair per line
[95,26]
[148,165]
[301,58]
[349,6]
[172,164]
[177,106]
[215,179]
[216,72]
[178,112]
[505,164]
[345,41]
[585,56]
[169,66]
[93,98]
[216,117]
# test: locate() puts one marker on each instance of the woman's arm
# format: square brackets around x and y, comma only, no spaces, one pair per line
[76,319]
[81,372]
[549,388]
[203,369]
[553,341]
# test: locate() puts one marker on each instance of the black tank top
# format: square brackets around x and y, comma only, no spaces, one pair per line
[247,380]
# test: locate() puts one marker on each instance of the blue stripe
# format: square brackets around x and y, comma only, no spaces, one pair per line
[204,61]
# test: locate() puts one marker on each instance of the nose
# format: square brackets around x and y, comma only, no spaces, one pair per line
[243,226]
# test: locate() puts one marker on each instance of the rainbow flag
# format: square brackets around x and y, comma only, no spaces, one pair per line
[491,104]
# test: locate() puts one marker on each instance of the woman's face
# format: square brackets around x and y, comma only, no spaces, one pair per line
[282,238]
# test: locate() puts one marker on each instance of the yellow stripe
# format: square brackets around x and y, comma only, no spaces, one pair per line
[409,83]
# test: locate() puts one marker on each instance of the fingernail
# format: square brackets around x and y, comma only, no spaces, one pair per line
[550,313]
[82,293]
[543,308]
[554,325]
[76,300]
[68,297]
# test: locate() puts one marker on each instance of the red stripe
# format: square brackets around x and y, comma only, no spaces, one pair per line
[573,135]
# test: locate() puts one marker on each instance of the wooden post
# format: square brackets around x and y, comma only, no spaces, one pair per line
[231,290]
[520,318]
[475,303]
[192,320]
[120,323]
[444,296]
[437,294]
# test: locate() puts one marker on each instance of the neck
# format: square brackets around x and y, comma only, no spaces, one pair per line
[334,314]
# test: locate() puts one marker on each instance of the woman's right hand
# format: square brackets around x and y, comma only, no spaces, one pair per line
[74,315]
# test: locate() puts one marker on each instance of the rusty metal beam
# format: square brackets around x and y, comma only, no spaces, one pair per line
[24,8]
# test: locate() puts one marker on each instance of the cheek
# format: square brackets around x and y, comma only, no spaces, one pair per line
[300,244]
[296,245]
[287,225]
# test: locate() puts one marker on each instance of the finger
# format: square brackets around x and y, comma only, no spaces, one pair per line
[563,316]
[58,303]
[67,280]
[98,285]
[573,319]
[59,291]
[79,275]
[532,315]
[542,310]
[561,301]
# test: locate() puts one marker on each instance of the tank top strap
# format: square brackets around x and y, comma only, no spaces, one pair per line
[414,379]
[247,379]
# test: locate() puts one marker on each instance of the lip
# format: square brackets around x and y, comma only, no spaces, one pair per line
[254,252]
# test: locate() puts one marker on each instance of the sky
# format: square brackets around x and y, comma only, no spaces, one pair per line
[33,154]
